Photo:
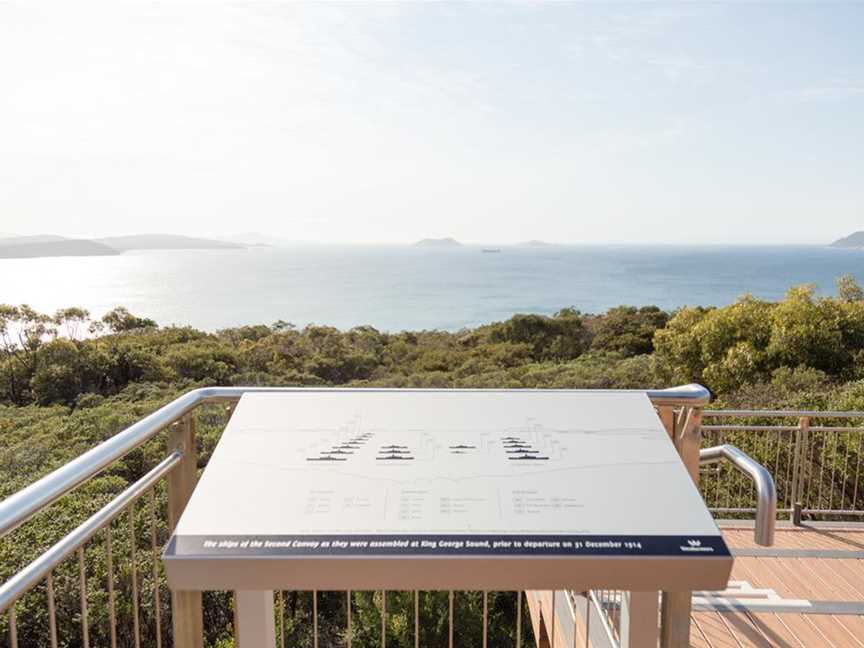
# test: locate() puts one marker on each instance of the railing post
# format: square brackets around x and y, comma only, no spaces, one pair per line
[800,451]
[638,620]
[186,612]
[675,607]
[667,417]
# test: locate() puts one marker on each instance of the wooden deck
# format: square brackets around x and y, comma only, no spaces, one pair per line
[807,591]
[823,565]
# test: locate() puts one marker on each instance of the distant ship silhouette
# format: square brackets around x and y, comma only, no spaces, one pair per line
[523,452]
[528,458]
[395,458]
[463,447]
[325,459]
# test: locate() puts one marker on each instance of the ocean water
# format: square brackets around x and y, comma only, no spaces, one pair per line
[403,287]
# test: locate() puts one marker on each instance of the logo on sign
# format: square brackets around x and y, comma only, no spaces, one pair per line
[694,545]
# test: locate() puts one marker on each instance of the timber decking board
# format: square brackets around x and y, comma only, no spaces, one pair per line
[791,577]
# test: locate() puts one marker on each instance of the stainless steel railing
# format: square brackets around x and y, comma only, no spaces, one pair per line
[816,459]
[766,493]
[608,603]
[22,505]
[679,409]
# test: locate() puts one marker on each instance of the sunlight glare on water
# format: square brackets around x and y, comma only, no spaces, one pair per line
[402,287]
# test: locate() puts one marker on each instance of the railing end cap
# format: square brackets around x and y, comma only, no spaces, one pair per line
[692,394]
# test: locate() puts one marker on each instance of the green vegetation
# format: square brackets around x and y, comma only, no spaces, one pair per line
[68,382]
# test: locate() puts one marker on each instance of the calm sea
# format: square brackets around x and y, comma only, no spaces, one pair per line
[395,288]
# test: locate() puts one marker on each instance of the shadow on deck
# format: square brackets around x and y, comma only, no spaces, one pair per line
[805,591]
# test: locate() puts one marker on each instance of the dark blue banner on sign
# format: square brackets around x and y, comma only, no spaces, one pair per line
[407,545]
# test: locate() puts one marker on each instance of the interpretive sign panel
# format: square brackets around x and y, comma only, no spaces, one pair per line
[351,489]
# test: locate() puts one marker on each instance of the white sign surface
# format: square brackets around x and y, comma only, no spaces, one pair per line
[362,475]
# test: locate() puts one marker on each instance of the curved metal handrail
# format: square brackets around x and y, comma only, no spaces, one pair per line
[766,492]
[29,576]
[21,506]
[732,413]
[692,395]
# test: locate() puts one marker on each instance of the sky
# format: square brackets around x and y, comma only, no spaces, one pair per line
[389,122]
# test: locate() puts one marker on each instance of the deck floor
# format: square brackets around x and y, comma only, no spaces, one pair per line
[824,564]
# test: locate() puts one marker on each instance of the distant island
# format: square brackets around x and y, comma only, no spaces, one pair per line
[438,242]
[54,248]
[49,245]
[854,240]
[166,242]
[535,243]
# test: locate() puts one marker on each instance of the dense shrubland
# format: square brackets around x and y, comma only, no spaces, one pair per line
[68,381]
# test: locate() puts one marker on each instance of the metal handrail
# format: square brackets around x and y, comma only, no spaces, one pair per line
[21,506]
[29,576]
[692,395]
[766,492]
[783,413]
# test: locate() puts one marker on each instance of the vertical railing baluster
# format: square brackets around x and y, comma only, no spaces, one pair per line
[350,629]
[807,470]
[383,618]
[720,478]
[109,567]
[280,606]
[416,619]
[552,640]
[833,471]
[315,618]
[587,621]
[799,468]
[779,439]
[519,619]
[787,492]
[845,474]
[857,469]
[133,554]
[485,618]
[82,592]
[154,550]
[822,458]
[450,624]
[52,609]
[13,627]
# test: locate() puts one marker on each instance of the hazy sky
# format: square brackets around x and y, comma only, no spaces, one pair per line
[389,122]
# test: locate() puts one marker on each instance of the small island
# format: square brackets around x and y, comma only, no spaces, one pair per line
[854,240]
[448,242]
[536,243]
